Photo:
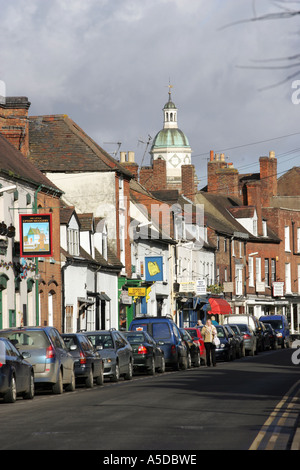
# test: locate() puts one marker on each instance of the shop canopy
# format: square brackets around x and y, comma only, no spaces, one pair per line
[218,307]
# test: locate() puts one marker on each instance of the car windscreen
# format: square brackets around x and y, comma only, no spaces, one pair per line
[161,330]
[276,324]
[27,339]
[220,331]
[193,333]
[243,328]
[103,340]
[135,338]
[234,328]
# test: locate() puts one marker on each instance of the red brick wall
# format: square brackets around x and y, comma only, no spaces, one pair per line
[268,178]
[50,273]
[14,122]
[188,184]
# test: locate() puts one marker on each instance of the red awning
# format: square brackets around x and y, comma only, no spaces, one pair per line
[219,307]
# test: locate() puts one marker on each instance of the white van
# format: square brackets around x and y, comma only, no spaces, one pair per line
[240,318]
[250,320]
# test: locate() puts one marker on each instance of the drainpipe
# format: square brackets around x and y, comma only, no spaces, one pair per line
[37,306]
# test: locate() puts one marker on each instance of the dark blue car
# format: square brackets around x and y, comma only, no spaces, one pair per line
[16,374]
[167,335]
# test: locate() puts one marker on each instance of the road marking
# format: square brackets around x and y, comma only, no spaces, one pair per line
[274,431]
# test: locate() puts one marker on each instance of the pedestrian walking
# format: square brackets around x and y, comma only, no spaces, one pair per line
[214,321]
[199,324]
[208,332]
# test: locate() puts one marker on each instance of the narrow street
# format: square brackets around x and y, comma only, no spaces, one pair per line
[249,403]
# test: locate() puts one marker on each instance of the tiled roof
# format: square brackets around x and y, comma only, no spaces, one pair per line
[13,163]
[86,221]
[58,144]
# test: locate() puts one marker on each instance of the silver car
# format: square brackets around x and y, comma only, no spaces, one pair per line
[250,339]
[115,351]
[46,351]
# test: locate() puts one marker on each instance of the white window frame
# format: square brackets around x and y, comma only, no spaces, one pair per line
[287,246]
[239,280]
[258,269]
[73,241]
[251,271]
[288,279]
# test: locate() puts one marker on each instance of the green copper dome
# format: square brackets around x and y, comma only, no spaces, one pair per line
[170,138]
[169,105]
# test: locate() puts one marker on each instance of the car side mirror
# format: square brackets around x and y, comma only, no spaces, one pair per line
[26,355]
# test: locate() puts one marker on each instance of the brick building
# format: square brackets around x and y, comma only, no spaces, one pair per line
[266,280]
[30,287]
[92,181]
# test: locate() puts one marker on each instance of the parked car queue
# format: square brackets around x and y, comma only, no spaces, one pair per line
[41,357]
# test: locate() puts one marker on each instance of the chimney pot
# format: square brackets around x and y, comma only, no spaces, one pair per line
[211,155]
[122,157]
[131,157]
[272,154]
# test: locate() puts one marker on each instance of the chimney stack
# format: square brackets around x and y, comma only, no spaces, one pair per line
[128,162]
[268,178]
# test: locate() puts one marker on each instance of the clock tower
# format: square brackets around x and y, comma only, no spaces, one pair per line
[171,145]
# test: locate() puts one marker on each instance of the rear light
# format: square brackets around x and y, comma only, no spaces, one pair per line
[142,349]
[247,336]
[173,349]
[82,358]
[1,364]
[50,353]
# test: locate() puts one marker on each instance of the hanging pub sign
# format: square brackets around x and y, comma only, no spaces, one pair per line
[154,268]
[35,235]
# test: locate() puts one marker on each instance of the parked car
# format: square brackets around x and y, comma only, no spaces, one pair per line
[266,344]
[281,326]
[146,353]
[193,349]
[249,320]
[250,339]
[199,341]
[88,365]
[240,350]
[272,336]
[166,333]
[115,351]
[227,348]
[16,374]
[44,347]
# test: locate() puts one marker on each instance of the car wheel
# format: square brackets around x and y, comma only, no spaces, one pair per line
[129,374]
[162,367]
[151,370]
[57,388]
[30,392]
[197,361]
[116,376]
[89,381]
[72,385]
[11,395]
[184,364]
[100,378]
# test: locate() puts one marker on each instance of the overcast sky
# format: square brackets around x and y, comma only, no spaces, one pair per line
[108,63]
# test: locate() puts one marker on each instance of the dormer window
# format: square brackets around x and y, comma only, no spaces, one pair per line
[264,226]
[73,241]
